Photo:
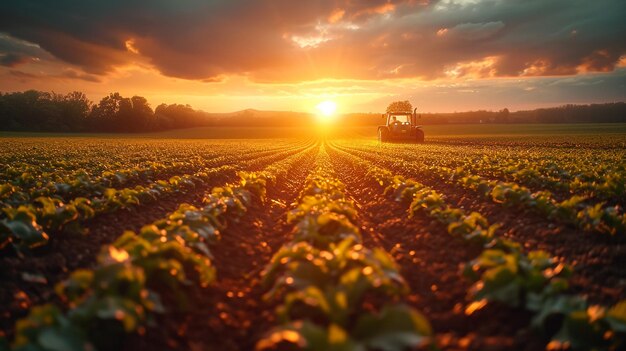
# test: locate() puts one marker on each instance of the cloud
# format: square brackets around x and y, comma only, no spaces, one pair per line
[23,75]
[73,74]
[513,93]
[473,31]
[15,52]
[64,75]
[12,59]
[286,40]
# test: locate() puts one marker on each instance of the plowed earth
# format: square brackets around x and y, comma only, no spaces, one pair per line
[231,314]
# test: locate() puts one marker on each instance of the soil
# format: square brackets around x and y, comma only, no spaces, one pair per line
[597,259]
[430,261]
[231,314]
[68,252]
[30,280]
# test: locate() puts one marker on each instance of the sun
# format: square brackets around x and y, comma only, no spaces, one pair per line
[326,109]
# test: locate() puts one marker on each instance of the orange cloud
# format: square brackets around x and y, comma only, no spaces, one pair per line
[287,41]
[130,46]
[599,61]
[484,68]
[336,15]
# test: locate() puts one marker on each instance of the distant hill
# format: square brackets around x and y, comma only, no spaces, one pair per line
[257,118]
[593,113]
[37,111]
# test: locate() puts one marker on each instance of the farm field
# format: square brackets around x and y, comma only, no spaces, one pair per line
[487,239]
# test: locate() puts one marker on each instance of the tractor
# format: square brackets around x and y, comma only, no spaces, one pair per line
[401,126]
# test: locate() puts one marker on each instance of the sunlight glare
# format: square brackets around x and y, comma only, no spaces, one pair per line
[326,109]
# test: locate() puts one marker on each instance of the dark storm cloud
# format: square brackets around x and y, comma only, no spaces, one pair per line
[23,75]
[12,59]
[15,52]
[72,74]
[66,74]
[278,40]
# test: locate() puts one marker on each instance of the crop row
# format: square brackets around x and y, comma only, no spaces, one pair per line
[573,211]
[330,286]
[598,183]
[143,274]
[505,274]
[51,158]
[27,186]
[28,226]
[593,173]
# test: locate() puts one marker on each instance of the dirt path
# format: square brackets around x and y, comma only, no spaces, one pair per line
[430,261]
[230,314]
[425,155]
[66,253]
[597,259]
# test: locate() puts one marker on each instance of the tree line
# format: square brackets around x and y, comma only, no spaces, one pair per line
[614,112]
[73,112]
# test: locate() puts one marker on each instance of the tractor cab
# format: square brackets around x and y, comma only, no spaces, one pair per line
[401,126]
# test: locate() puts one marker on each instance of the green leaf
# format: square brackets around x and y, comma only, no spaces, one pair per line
[581,333]
[304,335]
[74,288]
[46,328]
[616,317]
[25,233]
[396,328]
[67,338]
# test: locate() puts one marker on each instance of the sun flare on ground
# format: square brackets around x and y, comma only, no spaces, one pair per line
[326,110]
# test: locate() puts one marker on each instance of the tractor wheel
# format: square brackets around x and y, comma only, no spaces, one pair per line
[419,136]
[382,135]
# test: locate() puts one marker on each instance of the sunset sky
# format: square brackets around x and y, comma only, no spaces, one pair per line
[228,55]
